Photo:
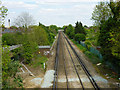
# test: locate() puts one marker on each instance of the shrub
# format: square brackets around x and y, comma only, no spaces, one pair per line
[79,37]
[88,53]
[72,34]
[8,39]
[10,79]
[88,44]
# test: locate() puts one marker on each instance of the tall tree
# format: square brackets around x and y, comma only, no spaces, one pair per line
[109,37]
[69,29]
[101,13]
[79,28]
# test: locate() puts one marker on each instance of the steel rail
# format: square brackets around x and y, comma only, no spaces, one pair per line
[56,65]
[65,68]
[74,67]
[84,67]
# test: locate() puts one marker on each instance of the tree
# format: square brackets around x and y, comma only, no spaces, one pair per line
[28,48]
[24,20]
[109,37]
[72,34]
[53,29]
[64,27]
[85,26]
[79,28]
[3,13]
[69,29]
[39,35]
[101,13]
[79,37]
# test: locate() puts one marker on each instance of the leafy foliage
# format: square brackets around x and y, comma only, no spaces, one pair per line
[12,38]
[9,70]
[51,30]
[79,28]
[28,48]
[69,29]
[92,36]
[72,35]
[3,13]
[39,35]
[101,13]
[80,37]
[109,37]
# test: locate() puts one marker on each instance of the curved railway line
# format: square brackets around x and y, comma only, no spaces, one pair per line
[63,70]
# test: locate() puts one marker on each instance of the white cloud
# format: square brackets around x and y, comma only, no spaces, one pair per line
[58,12]
[19,5]
[59,1]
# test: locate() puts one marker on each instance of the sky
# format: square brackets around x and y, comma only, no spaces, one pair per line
[52,12]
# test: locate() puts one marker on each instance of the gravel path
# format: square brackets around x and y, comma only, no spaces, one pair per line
[48,79]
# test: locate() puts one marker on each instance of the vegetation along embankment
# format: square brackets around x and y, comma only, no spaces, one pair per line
[29,38]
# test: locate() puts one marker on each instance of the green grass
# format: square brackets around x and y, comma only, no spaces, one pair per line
[39,61]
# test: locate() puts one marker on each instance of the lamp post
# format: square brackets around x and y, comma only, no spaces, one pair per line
[9,22]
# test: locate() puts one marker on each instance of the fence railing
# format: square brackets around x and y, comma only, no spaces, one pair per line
[92,50]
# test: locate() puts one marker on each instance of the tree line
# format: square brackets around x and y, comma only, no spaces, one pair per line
[77,33]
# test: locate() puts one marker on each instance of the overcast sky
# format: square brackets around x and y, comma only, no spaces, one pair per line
[48,12]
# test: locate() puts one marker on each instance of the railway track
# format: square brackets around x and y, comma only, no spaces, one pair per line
[64,42]
[66,74]
[56,65]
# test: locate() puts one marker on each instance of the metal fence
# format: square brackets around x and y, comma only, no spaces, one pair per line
[92,50]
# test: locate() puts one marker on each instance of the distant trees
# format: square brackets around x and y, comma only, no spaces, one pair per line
[69,29]
[53,28]
[78,32]
[79,28]
[24,20]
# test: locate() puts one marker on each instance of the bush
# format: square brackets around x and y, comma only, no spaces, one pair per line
[13,27]
[8,39]
[72,34]
[88,44]
[80,37]
[88,53]
[10,79]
